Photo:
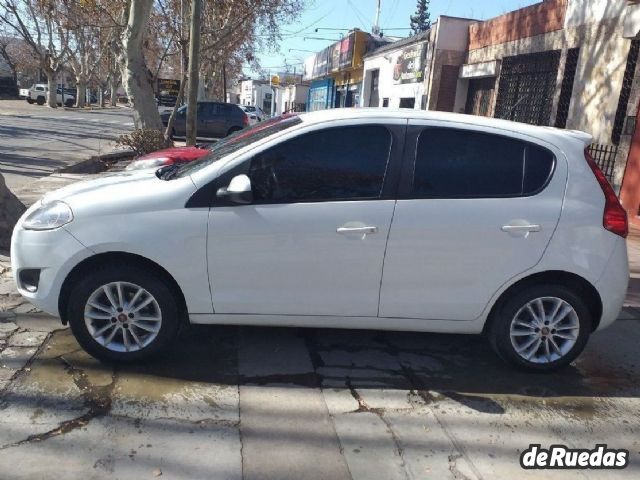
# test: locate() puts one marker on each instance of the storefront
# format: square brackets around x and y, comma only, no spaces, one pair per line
[321,95]
[419,72]
[336,72]
[394,74]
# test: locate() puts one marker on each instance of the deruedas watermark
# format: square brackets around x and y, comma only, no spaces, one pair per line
[562,457]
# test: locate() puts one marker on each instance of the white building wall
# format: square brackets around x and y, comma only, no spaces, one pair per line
[387,88]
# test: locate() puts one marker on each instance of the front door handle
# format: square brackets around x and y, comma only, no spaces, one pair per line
[521,228]
[362,230]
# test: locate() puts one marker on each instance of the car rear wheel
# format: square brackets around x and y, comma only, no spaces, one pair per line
[40,101]
[30,101]
[233,130]
[123,314]
[69,103]
[541,328]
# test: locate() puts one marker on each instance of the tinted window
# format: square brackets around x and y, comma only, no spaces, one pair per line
[538,166]
[239,140]
[332,164]
[459,163]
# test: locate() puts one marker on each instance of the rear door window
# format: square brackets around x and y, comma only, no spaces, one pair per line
[454,163]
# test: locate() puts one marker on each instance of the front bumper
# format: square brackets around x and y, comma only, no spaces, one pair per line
[53,253]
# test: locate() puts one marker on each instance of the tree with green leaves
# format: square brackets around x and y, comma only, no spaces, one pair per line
[421,21]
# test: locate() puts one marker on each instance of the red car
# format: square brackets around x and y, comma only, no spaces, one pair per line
[169,156]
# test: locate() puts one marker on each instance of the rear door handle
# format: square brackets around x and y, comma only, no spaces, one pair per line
[521,228]
[363,230]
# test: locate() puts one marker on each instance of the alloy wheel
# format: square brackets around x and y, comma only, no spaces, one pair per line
[544,330]
[122,317]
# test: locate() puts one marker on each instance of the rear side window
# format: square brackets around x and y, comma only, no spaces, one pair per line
[460,163]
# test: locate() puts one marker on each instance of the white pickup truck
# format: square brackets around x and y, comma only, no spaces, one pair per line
[38,94]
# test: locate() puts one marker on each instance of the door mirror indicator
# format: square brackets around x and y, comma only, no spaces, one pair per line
[238,191]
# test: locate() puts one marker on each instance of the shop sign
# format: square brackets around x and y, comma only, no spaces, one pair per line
[409,66]
[321,67]
[346,51]
[167,86]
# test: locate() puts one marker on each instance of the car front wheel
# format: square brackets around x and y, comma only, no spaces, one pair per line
[541,328]
[123,314]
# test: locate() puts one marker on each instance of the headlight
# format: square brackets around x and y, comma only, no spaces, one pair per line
[49,216]
[151,163]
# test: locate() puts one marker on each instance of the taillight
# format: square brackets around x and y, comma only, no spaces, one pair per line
[245,120]
[615,217]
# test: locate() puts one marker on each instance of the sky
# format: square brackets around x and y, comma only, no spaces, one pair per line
[346,14]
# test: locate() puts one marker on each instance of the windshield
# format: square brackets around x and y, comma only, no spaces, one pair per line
[239,140]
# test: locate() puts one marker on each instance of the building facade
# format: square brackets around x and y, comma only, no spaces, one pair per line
[559,63]
[336,73]
[420,72]
[257,93]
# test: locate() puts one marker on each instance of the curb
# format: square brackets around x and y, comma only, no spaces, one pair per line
[98,163]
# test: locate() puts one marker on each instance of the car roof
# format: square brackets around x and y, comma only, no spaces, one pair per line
[545,133]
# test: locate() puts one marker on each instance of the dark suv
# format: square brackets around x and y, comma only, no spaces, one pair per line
[215,120]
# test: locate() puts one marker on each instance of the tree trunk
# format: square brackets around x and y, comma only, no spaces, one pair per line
[136,77]
[101,96]
[10,210]
[194,61]
[179,100]
[113,100]
[53,89]
[81,88]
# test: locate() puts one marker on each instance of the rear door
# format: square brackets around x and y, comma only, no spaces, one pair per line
[475,208]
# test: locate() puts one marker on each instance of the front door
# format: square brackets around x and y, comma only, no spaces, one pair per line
[474,210]
[312,242]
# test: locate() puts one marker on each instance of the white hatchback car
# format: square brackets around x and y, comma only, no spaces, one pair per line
[371,218]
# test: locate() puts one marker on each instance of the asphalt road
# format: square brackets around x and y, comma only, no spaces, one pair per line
[36,140]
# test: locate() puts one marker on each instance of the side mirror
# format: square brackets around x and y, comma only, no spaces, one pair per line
[238,191]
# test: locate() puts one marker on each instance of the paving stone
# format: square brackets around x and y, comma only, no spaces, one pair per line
[6,374]
[27,339]
[7,287]
[25,308]
[7,328]
[6,316]
[38,322]
[16,357]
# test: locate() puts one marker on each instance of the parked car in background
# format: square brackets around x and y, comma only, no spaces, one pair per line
[215,120]
[38,94]
[91,98]
[255,113]
[368,218]
[23,93]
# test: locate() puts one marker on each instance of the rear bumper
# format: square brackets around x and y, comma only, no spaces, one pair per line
[613,284]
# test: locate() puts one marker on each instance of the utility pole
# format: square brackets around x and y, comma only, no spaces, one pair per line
[376,25]
[224,82]
[194,63]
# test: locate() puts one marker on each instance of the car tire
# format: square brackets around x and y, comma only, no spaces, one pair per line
[233,130]
[40,100]
[69,103]
[134,336]
[521,318]
[30,101]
